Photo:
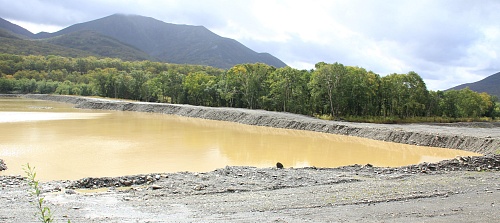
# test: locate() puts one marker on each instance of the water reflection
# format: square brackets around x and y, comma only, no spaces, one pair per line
[82,143]
[44,116]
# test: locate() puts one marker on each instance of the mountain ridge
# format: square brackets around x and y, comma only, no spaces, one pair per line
[172,43]
[4,24]
[490,85]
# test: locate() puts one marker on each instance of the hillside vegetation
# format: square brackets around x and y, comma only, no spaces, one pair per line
[97,44]
[329,91]
[12,45]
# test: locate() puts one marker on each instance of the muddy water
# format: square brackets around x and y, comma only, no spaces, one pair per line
[66,143]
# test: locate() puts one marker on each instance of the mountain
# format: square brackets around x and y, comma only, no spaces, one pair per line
[14,45]
[4,24]
[93,42]
[76,44]
[181,44]
[490,85]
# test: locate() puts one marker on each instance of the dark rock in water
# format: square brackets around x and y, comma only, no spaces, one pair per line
[279,165]
[2,165]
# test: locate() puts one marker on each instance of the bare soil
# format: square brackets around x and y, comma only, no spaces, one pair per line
[464,189]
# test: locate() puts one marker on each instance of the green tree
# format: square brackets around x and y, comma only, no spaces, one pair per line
[488,104]
[7,85]
[417,95]
[469,103]
[25,86]
[167,85]
[326,86]
[200,88]
[449,104]
[252,79]
[105,81]
[403,95]
[288,90]
[433,107]
[245,85]
[361,92]
[138,87]
[229,89]
[46,87]
[174,86]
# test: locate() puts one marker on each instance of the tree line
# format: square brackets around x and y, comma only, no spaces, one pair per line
[331,90]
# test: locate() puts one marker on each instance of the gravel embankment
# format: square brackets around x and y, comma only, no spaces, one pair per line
[464,189]
[474,137]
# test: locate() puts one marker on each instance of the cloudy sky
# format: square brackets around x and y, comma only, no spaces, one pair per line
[447,42]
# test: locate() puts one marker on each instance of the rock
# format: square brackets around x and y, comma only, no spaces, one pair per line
[3,166]
[279,165]
[70,192]
[127,183]
[156,187]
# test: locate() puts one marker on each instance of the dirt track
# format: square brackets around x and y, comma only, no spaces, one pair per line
[459,190]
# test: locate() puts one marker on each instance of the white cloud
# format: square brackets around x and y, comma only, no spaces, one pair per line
[36,28]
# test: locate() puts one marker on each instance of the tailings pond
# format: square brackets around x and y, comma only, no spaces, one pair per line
[67,143]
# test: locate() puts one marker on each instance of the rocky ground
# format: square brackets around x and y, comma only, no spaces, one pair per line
[464,189]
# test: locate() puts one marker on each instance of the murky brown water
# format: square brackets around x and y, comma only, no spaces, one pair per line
[66,143]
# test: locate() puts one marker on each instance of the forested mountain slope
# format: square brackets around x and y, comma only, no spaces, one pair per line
[490,85]
[4,24]
[93,42]
[181,44]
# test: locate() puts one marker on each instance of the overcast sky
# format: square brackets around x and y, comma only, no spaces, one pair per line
[447,42]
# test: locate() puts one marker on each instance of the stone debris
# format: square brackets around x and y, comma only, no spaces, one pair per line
[244,178]
[460,163]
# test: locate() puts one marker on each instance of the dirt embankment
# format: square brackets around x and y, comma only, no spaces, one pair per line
[480,138]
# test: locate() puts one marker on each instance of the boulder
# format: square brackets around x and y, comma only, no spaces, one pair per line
[2,165]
